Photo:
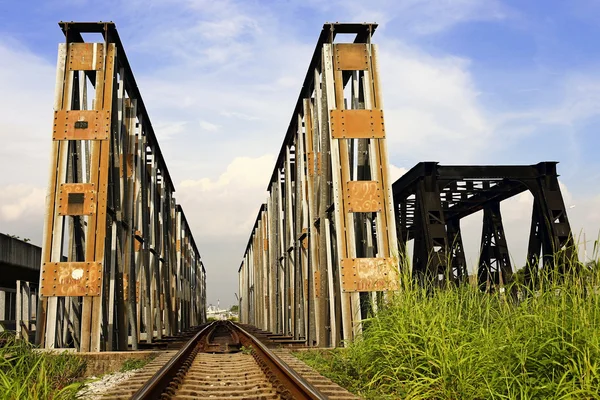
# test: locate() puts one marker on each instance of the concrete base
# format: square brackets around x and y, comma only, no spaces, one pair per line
[110,361]
[105,362]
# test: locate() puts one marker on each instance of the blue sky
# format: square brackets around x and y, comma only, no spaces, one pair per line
[464,81]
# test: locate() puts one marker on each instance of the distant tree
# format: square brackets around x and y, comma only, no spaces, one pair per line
[19,238]
[234,308]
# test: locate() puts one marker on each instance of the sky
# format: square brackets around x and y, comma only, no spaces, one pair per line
[463,82]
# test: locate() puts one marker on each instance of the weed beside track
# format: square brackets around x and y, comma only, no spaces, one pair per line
[26,374]
[460,343]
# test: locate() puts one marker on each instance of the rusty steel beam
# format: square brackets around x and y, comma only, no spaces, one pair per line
[133,271]
[323,245]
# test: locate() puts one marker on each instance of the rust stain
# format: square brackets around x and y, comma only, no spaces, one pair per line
[351,57]
[77,199]
[81,125]
[363,196]
[357,124]
[369,274]
[71,279]
[82,57]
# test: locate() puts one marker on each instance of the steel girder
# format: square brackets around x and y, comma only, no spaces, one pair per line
[133,271]
[431,199]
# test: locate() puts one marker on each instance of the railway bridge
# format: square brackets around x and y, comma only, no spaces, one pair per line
[331,239]
[120,266]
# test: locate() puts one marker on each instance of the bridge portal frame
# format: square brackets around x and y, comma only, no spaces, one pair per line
[133,271]
[323,248]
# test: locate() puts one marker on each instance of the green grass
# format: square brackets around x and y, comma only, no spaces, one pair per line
[136,363]
[25,374]
[460,343]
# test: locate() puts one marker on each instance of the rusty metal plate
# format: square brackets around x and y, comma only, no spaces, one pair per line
[86,56]
[265,244]
[137,241]
[129,165]
[77,199]
[317,276]
[126,289]
[318,163]
[310,163]
[357,124]
[304,238]
[351,57]
[81,125]
[314,163]
[363,196]
[369,274]
[64,279]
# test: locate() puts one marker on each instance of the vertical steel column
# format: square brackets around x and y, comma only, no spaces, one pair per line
[494,262]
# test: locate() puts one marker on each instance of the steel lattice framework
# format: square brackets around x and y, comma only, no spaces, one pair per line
[323,244]
[431,199]
[133,271]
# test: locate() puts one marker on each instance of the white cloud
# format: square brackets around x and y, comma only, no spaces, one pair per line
[435,108]
[18,200]
[396,172]
[26,101]
[581,100]
[207,126]
[167,130]
[419,17]
[227,206]
[22,211]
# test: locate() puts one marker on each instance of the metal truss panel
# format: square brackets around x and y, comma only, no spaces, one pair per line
[66,279]
[357,124]
[363,196]
[77,199]
[86,56]
[369,274]
[351,57]
[81,125]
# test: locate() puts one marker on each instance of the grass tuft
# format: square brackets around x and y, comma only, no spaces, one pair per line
[460,343]
[136,363]
[25,374]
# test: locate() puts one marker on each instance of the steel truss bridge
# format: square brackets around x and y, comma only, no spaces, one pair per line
[120,266]
[330,240]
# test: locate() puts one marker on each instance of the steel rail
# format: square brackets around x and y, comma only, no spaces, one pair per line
[287,379]
[163,377]
[298,387]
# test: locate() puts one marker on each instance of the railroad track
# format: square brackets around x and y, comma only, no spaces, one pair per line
[223,361]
